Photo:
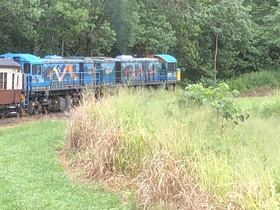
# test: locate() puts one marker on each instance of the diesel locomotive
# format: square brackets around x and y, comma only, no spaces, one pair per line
[31,85]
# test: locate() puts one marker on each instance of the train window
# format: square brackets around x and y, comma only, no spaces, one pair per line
[172,66]
[37,69]
[26,68]
[16,59]
[163,65]
[3,81]
[13,81]
[17,81]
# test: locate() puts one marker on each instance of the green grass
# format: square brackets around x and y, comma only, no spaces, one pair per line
[265,107]
[31,176]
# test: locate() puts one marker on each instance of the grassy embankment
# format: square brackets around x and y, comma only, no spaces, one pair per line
[32,177]
[162,157]
[148,150]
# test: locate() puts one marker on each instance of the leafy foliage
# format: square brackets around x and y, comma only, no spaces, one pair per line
[213,39]
[220,99]
[123,17]
[154,33]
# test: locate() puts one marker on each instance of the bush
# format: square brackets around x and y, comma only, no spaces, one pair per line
[220,99]
[254,80]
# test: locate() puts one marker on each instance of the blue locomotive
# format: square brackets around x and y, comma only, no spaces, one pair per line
[54,83]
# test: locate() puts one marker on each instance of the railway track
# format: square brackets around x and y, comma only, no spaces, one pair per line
[11,121]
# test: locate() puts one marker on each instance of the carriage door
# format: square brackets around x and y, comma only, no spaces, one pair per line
[118,72]
[163,71]
[81,74]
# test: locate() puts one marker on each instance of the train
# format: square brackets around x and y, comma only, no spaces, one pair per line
[30,84]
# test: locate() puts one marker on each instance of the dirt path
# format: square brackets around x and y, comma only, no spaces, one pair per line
[11,121]
[261,91]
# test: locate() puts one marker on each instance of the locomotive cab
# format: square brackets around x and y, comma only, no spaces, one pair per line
[168,68]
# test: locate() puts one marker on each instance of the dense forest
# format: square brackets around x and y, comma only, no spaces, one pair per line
[216,39]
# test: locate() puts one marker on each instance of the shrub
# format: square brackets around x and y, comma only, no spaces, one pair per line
[219,98]
[254,80]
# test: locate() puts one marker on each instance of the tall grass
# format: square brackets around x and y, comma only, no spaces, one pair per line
[269,106]
[142,144]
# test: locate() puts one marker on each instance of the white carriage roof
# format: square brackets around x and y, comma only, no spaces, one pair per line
[7,63]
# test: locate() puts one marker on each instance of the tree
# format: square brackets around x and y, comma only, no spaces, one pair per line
[18,21]
[272,34]
[227,23]
[154,33]
[75,28]
[123,17]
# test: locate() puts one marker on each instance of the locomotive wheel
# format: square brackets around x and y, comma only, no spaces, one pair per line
[36,110]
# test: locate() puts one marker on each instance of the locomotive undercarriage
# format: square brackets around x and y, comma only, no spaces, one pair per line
[51,101]
[9,110]
[46,101]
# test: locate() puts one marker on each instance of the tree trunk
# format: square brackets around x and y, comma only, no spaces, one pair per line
[88,48]
[215,57]
[62,48]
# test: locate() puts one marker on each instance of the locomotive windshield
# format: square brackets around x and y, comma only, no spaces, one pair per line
[37,69]
[26,68]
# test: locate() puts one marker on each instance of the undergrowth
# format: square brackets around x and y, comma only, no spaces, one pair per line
[253,81]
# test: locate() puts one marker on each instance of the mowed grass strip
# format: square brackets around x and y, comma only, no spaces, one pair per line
[31,176]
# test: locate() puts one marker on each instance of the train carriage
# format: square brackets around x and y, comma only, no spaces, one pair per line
[138,70]
[151,70]
[10,87]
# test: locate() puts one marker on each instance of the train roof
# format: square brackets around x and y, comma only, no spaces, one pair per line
[53,57]
[124,57]
[22,57]
[6,63]
[166,58]
[131,59]
[72,59]
[62,61]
